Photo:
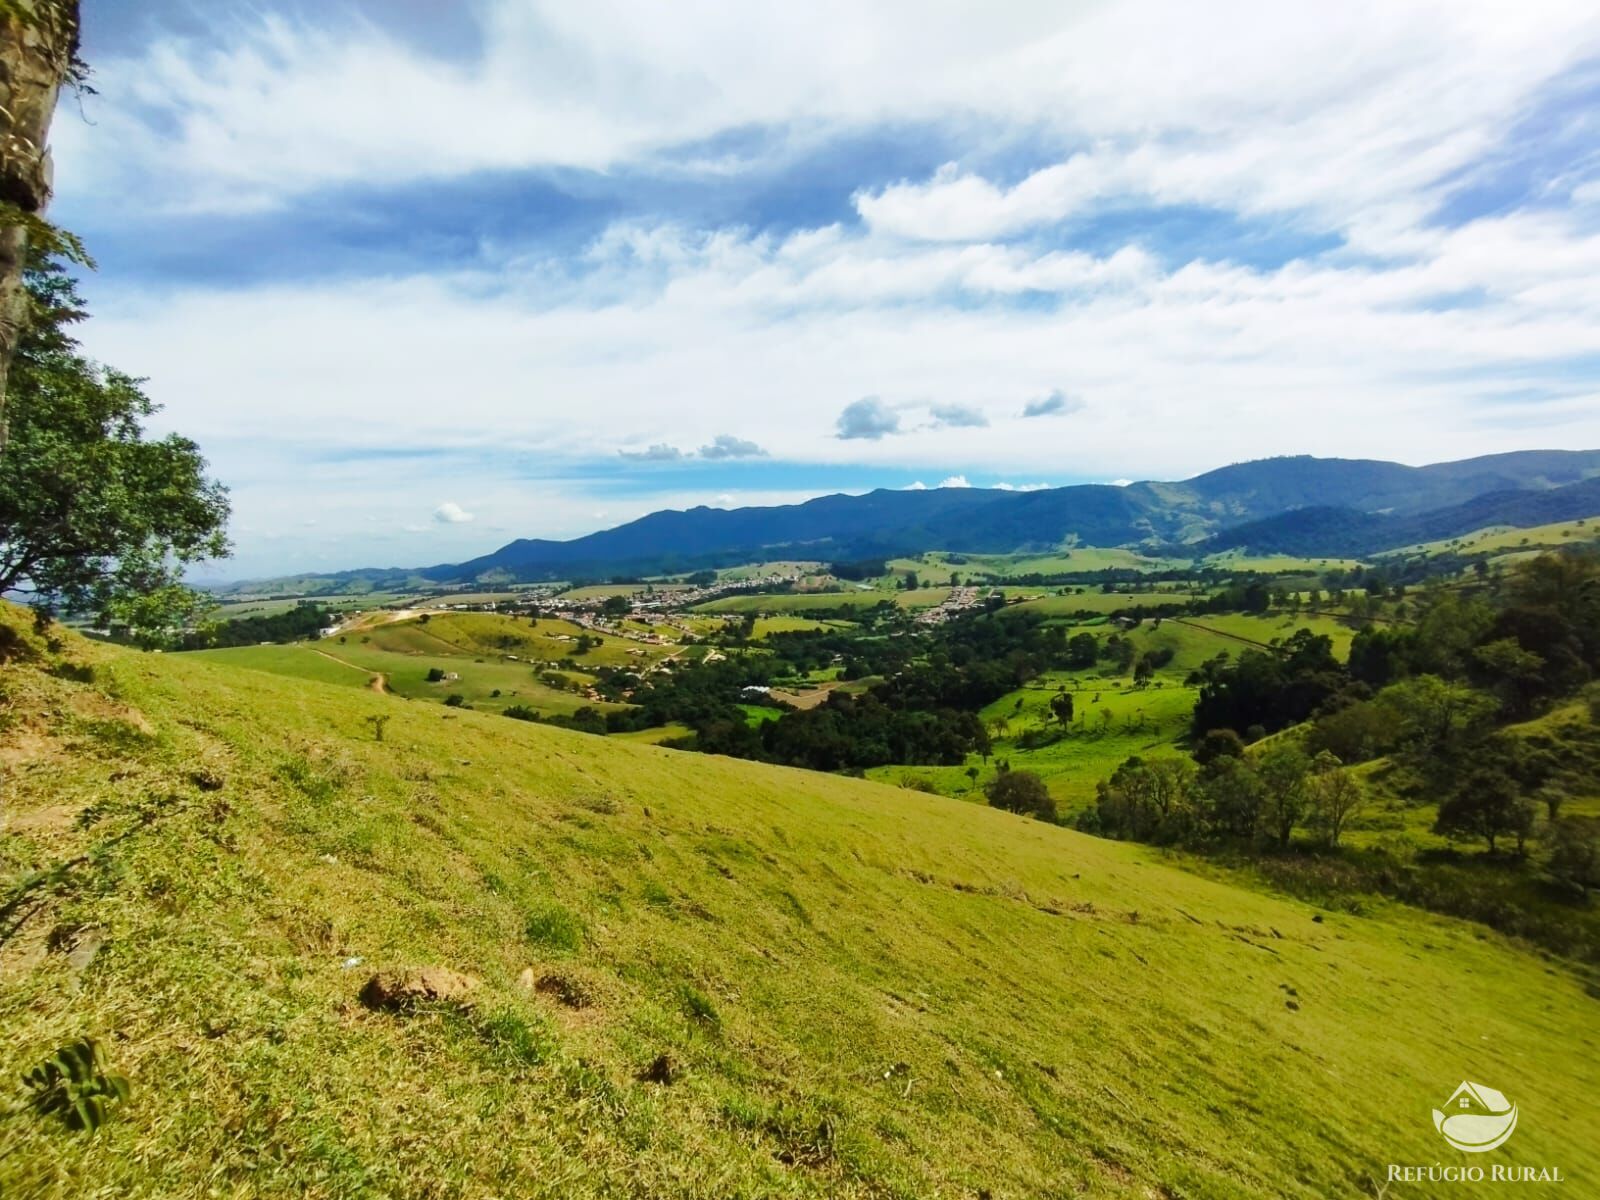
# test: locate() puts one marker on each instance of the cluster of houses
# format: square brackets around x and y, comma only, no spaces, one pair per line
[958,601]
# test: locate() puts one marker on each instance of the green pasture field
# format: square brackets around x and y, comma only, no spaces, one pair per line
[860,991]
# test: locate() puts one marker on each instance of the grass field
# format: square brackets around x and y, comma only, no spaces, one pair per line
[1151,720]
[489,634]
[767,626]
[1277,563]
[937,566]
[1096,601]
[1505,538]
[862,991]
[811,601]
[604,591]
[776,567]
[236,610]
[475,647]
[406,675]
[298,660]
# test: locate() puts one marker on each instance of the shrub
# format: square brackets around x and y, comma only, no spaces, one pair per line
[435,674]
[1021,792]
[455,700]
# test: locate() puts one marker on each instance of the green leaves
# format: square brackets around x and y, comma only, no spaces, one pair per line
[77,1084]
[43,237]
[95,517]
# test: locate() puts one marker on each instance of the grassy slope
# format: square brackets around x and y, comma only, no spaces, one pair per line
[1503,537]
[873,992]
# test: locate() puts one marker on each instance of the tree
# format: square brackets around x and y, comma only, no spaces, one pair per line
[1219,743]
[94,517]
[1061,706]
[1021,792]
[1575,852]
[1231,792]
[38,53]
[1335,796]
[1432,714]
[1283,769]
[616,606]
[1487,805]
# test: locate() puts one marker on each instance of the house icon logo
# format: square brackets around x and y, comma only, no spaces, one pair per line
[1476,1118]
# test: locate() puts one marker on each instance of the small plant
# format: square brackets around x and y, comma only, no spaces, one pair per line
[378,721]
[77,1084]
[698,1005]
[553,926]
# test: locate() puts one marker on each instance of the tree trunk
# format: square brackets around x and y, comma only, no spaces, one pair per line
[38,46]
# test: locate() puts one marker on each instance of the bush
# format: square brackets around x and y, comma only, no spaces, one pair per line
[435,674]
[1021,792]
[455,700]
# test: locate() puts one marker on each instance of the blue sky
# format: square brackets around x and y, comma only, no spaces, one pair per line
[424,277]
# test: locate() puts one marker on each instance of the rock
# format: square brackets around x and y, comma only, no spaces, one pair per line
[397,991]
[664,1069]
[525,981]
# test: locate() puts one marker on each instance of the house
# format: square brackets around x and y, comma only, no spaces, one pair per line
[755,694]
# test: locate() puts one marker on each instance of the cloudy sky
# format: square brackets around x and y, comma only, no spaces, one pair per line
[423,277]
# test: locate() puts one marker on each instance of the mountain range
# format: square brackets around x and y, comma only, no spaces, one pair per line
[1299,504]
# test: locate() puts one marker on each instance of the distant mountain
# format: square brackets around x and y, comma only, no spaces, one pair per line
[1324,531]
[1321,506]
[980,520]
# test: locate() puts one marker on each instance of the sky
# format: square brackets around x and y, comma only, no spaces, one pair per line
[421,278]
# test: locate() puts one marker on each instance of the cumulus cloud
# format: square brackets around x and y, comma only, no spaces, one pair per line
[868,419]
[958,416]
[660,452]
[954,481]
[918,486]
[1056,404]
[1022,487]
[451,513]
[727,446]
[1398,322]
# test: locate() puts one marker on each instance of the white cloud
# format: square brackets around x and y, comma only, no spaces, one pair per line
[1232,102]
[725,445]
[451,513]
[918,486]
[659,452]
[867,419]
[954,481]
[958,416]
[1055,404]
[1414,341]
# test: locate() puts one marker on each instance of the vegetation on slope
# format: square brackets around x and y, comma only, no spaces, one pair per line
[747,980]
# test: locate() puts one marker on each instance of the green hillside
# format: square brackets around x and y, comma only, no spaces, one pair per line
[859,990]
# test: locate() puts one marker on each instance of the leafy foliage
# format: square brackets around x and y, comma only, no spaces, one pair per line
[77,1084]
[94,517]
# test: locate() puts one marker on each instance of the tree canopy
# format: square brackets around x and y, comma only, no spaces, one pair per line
[96,517]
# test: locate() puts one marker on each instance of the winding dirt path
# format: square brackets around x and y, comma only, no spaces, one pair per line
[379,682]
